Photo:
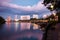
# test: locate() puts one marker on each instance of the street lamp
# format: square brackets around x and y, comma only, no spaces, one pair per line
[52,7]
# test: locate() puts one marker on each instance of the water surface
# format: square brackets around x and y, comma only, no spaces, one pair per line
[20,31]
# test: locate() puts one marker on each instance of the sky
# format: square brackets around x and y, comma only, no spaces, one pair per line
[25,2]
[22,7]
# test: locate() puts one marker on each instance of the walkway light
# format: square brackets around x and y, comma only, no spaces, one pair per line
[52,7]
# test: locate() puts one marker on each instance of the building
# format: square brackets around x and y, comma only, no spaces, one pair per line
[8,19]
[16,18]
[35,16]
[45,16]
[25,17]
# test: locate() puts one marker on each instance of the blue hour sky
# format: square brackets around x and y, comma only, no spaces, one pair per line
[22,7]
[25,2]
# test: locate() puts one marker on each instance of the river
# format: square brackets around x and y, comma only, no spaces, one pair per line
[20,31]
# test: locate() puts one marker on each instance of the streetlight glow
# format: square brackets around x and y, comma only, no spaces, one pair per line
[52,6]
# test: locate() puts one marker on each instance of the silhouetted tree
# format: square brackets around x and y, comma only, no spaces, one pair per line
[53,5]
[2,20]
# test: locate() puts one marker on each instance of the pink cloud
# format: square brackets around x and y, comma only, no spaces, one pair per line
[36,7]
[5,1]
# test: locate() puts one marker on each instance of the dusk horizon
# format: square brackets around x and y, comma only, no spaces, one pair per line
[22,7]
[29,19]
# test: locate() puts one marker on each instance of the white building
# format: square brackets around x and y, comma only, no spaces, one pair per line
[16,18]
[45,16]
[35,16]
[25,17]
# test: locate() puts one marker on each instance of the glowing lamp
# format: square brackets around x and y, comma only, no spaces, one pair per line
[52,6]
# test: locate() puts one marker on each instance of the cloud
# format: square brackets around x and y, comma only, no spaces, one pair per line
[4,1]
[6,9]
[36,7]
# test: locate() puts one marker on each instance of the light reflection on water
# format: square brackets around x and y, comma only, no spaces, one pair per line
[21,26]
[35,26]
[16,25]
[25,26]
[23,29]
[8,25]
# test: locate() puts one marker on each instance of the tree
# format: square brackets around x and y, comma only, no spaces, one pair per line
[53,5]
[2,20]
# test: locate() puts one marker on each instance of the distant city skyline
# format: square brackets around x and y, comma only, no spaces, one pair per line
[24,17]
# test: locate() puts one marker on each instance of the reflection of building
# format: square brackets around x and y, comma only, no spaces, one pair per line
[25,26]
[35,26]
[55,17]
[25,17]
[35,16]
[16,25]
[8,25]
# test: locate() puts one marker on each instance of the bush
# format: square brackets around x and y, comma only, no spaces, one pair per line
[2,20]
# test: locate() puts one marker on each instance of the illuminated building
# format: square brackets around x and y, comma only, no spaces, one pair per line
[25,17]
[8,19]
[8,25]
[35,16]
[16,19]
[44,16]
[54,13]
[56,18]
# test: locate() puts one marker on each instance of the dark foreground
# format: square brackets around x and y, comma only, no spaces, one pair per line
[20,31]
[53,33]
[26,31]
